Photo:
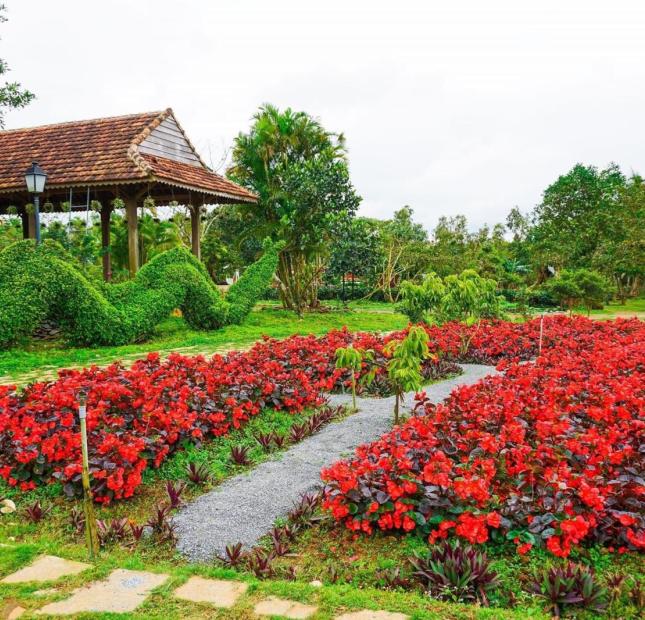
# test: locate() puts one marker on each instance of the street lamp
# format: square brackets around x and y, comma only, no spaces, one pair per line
[35,178]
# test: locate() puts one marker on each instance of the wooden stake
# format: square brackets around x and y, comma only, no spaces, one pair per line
[91,531]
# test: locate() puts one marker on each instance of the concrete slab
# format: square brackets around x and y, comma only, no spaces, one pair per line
[213,591]
[123,591]
[16,612]
[273,606]
[46,568]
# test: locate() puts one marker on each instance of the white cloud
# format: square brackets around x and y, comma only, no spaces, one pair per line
[461,107]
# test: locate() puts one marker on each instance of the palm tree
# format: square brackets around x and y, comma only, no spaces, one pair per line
[156,236]
[278,142]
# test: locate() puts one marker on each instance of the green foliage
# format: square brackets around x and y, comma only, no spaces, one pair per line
[579,287]
[464,297]
[404,365]
[576,213]
[357,250]
[39,282]
[226,247]
[404,254]
[10,231]
[418,299]
[299,171]
[351,359]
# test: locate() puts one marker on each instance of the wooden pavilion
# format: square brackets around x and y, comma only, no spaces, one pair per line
[129,158]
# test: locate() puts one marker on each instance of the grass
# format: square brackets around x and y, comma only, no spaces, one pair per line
[38,360]
[330,599]
[632,307]
[335,555]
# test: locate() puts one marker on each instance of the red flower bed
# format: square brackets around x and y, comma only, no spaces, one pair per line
[548,454]
[138,416]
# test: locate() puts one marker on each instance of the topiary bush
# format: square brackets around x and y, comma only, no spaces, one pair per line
[41,282]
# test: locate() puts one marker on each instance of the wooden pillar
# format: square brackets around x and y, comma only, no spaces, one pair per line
[106,212]
[195,230]
[25,225]
[133,235]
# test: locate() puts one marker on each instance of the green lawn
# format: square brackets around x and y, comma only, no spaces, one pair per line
[38,360]
[633,307]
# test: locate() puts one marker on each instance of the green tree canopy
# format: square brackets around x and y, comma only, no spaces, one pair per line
[299,171]
[577,214]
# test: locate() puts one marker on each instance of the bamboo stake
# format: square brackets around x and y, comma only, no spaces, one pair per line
[91,532]
[541,333]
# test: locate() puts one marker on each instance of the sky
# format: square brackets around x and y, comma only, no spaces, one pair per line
[451,107]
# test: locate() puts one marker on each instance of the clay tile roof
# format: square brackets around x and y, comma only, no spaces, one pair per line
[103,151]
[189,177]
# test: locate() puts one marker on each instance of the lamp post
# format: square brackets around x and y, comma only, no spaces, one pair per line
[91,533]
[35,178]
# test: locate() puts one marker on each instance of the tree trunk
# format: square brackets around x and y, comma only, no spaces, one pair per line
[397,399]
[298,281]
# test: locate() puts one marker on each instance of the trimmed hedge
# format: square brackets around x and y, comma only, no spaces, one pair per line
[41,282]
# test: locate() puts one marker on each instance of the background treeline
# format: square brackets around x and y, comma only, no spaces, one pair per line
[587,233]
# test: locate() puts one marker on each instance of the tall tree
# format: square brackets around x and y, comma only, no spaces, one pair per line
[12,95]
[406,252]
[621,253]
[356,251]
[577,213]
[299,171]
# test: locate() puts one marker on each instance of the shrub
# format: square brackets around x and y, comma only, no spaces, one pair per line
[351,359]
[463,297]
[569,586]
[581,286]
[419,299]
[404,365]
[455,572]
[41,282]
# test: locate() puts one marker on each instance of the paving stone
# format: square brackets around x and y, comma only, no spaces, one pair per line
[123,591]
[214,591]
[16,612]
[46,568]
[279,607]
[368,614]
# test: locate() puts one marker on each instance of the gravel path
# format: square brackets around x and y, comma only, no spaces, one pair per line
[244,508]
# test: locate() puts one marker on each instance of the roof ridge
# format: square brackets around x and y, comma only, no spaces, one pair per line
[85,121]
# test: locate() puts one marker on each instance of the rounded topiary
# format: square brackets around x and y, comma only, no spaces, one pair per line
[43,282]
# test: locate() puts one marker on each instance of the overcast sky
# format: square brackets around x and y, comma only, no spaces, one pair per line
[451,107]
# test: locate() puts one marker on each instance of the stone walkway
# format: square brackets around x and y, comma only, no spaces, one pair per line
[123,591]
[244,508]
